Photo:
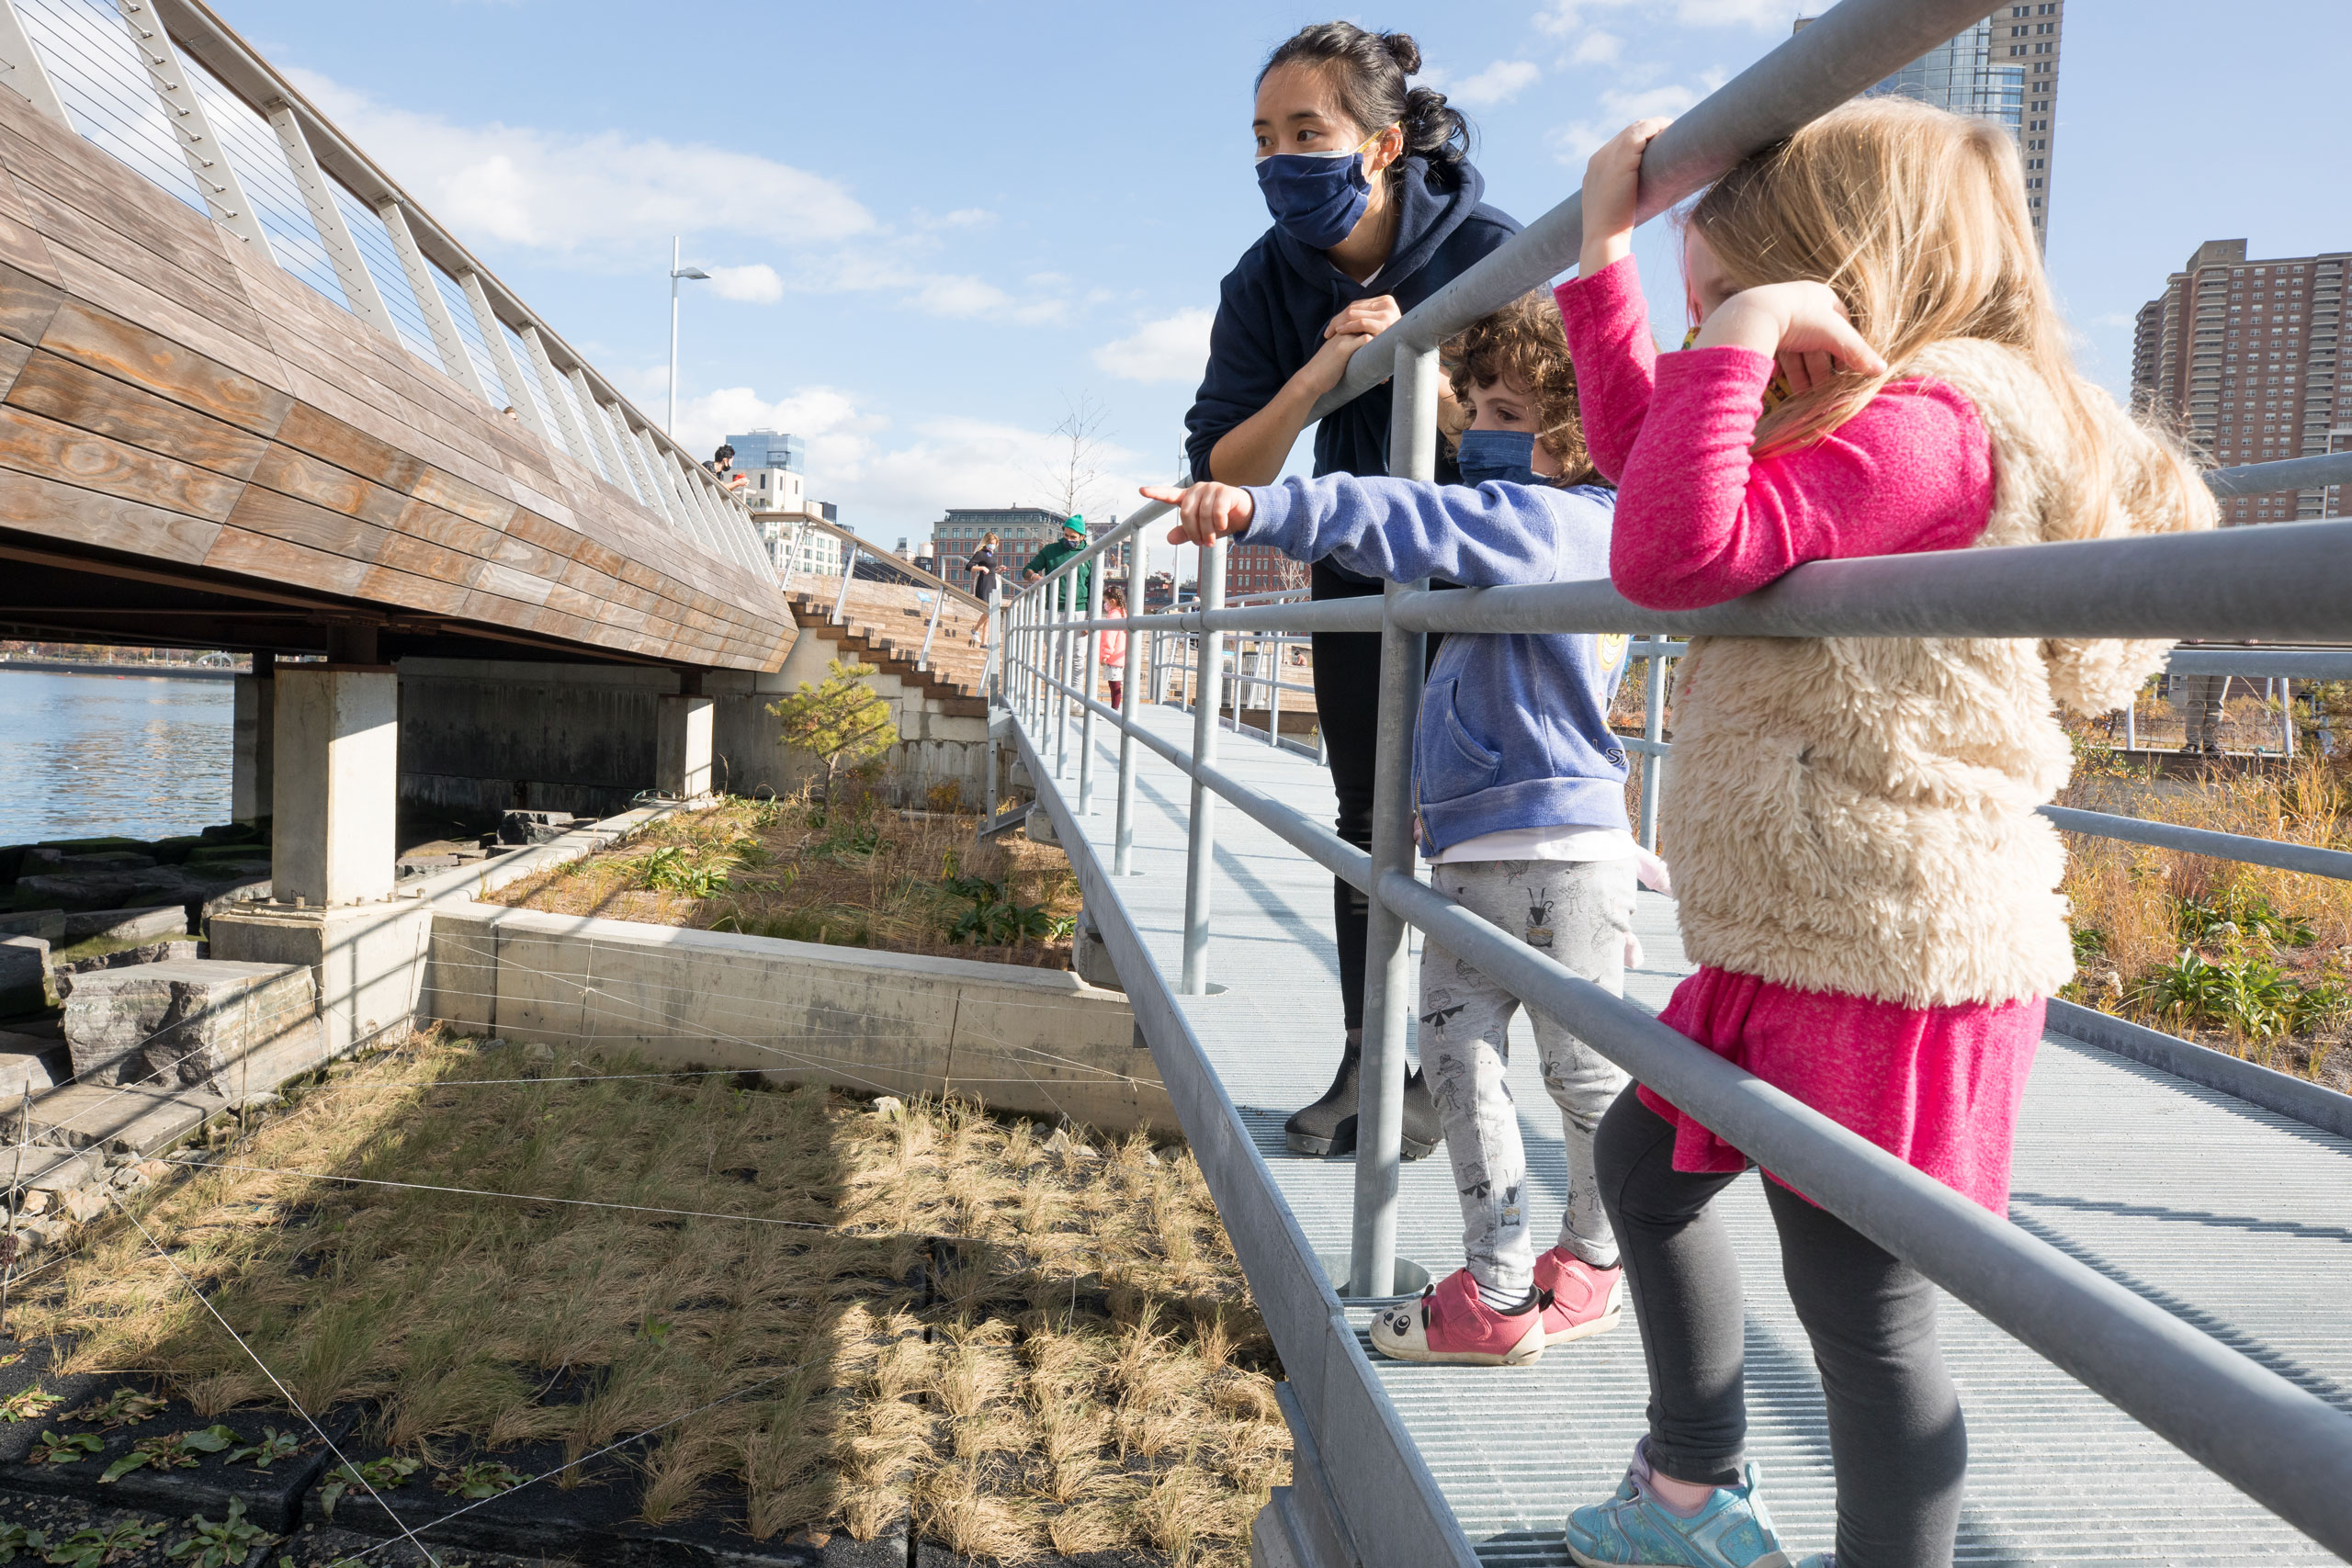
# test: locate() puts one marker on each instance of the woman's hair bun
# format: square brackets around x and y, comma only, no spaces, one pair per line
[1404,52]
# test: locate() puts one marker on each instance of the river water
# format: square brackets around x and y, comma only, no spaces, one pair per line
[83,755]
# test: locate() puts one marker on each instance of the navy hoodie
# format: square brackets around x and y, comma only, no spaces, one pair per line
[1273,305]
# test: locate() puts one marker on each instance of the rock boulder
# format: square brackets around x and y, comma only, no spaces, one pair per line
[205,1024]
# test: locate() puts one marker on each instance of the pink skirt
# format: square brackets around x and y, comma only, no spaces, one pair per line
[1938,1087]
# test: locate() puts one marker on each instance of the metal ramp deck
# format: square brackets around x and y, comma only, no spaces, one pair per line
[2234,1217]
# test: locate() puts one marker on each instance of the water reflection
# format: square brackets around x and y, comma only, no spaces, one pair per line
[84,755]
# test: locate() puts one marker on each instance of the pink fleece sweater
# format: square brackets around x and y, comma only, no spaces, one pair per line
[1700,520]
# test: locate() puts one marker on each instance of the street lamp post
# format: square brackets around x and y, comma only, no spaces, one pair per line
[670,426]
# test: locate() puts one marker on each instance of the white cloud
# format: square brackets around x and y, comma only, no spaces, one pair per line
[1563,17]
[605,200]
[587,195]
[1173,348]
[1572,144]
[1498,83]
[756,284]
[888,484]
[1594,47]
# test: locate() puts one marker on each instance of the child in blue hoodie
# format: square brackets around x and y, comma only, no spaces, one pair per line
[1520,796]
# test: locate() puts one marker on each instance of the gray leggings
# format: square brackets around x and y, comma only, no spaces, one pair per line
[1895,1436]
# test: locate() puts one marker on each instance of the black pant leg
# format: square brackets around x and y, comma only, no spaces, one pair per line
[1895,1432]
[1347,709]
[1685,1280]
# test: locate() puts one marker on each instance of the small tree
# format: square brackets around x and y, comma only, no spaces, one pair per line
[842,722]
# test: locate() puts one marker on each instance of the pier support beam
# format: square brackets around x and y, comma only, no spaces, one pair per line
[250,783]
[682,750]
[337,784]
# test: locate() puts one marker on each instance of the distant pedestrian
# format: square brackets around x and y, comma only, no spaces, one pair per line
[722,468]
[986,570]
[1113,646]
[2203,699]
[1073,540]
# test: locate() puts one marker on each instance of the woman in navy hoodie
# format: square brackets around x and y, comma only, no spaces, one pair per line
[1375,207]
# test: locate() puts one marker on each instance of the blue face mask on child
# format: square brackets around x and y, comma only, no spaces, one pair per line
[1507,457]
[1316,197]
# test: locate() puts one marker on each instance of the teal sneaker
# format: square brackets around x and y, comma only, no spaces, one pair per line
[1636,1527]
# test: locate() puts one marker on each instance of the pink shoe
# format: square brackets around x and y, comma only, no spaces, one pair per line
[1579,1298]
[1452,1322]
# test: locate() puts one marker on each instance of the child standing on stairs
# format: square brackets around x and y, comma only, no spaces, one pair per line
[1520,790]
[1112,649]
[1863,880]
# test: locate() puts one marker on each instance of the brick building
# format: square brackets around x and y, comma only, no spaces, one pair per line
[2241,356]
[1022,532]
[1260,568]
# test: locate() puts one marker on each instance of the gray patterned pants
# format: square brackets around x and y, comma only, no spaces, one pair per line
[1579,913]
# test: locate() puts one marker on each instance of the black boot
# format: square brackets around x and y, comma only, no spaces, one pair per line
[1329,1126]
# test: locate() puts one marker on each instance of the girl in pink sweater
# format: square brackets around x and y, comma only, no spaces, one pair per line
[1878,370]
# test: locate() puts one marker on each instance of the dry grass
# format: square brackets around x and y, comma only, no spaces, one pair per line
[1028,1345]
[859,875]
[2129,900]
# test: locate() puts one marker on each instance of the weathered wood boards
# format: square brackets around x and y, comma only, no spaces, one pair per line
[167,394]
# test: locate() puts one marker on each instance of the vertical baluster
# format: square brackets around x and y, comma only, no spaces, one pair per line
[1200,840]
[1653,731]
[1090,665]
[1123,837]
[1389,981]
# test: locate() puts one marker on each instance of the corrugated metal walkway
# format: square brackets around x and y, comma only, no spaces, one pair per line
[2234,1217]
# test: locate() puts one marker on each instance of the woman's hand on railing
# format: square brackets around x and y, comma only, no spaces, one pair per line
[1206,512]
[1612,187]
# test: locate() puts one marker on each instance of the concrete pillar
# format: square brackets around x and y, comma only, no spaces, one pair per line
[250,783]
[682,747]
[337,784]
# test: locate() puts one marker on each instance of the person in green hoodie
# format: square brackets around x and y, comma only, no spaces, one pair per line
[1073,540]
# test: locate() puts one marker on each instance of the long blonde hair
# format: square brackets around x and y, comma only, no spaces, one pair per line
[1917,219]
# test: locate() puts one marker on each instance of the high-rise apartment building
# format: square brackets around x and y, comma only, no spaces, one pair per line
[2005,69]
[2242,357]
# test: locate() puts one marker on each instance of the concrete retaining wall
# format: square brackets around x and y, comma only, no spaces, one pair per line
[1030,1042]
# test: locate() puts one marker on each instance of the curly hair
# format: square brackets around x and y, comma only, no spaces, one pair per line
[1524,342]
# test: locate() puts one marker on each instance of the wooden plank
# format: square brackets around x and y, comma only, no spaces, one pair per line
[13,356]
[267,513]
[286,560]
[65,171]
[132,353]
[77,395]
[306,477]
[27,305]
[453,494]
[199,280]
[21,246]
[421,520]
[322,435]
[511,583]
[426,559]
[494,610]
[33,444]
[49,509]
[418,591]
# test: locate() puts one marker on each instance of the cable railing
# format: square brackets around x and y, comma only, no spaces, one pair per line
[2276,583]
[146,81]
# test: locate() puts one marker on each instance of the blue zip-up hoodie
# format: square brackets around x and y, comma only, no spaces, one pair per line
[1514,730]
[1273,305]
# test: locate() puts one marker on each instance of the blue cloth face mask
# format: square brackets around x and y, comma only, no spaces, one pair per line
[1316,197]
[1507,457]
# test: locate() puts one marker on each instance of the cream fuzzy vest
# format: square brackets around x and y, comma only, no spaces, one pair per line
[1857,814]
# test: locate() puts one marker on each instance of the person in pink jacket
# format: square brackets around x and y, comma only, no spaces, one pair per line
[1879,368]
[1114,645]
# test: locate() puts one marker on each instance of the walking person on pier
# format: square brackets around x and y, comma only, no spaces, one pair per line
[1871,899]
[1375,207]
[985,569]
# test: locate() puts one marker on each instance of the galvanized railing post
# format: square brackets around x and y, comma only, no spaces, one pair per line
[1124,835]
[2286,717]
[1653,731]
[848,569]
[1274,697]
[1199,838]
[922,659]
[1062,590]
[1387,960]
[791,559]
[1091,665]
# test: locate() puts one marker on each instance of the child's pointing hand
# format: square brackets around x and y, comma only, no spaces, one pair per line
[1205,513]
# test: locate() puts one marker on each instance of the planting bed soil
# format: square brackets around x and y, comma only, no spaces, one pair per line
[857,875]
[582,1309]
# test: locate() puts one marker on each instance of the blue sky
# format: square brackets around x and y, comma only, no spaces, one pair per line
[936,226]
